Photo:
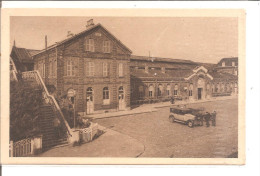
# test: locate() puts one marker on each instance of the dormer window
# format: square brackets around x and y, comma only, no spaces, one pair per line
[223,64]
[106,46]
[90,45]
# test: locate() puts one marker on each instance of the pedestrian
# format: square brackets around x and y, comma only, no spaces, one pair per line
[214,115]
[172,100]
[207,118]
[56,124]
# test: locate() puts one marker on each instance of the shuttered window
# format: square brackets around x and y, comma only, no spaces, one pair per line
[106,46]
[90,45]
[120,71]
[105,69]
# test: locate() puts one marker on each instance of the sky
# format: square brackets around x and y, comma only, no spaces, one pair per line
[200,39]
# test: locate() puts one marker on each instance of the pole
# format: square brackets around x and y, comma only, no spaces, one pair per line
[74,113]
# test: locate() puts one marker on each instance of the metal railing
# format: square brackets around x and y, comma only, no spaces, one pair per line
[48,98]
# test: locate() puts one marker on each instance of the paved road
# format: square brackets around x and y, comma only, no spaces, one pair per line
[164,139]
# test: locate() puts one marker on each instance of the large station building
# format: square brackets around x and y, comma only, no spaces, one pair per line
[105,75]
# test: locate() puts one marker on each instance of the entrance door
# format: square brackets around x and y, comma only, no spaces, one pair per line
[199,93]
[121,98]
[89,101]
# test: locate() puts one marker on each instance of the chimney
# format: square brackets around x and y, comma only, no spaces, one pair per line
[69,34]
[90,23]
[46,42]
[14,43]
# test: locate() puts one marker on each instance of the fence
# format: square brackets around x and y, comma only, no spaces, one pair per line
[87,134]
[25,147]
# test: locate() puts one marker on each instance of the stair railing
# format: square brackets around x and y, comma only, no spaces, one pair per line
[36,75]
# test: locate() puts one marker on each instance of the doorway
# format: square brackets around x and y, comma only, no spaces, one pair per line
[199,93]
[121,98]
[89,101]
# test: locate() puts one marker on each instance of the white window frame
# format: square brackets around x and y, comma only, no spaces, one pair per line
[90,68]
[175,92]
[120,70]
[70,67]
[90,45]
[106,46]
[106,97]
[105,69]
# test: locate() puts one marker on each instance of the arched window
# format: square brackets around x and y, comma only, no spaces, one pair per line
[89,94]
[151,90]
[212,88]
[160,90]
[175,92]
[105,93]
[121,92]
[227,87]
[190,89]
[222,87]
[168,90]
[217,88]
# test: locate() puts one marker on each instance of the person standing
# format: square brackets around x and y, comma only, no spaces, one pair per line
[214,115]
[207,117]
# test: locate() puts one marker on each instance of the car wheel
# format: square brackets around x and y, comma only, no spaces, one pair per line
[190,124]
[171,118]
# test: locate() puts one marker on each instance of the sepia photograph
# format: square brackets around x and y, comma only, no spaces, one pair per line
[126,87]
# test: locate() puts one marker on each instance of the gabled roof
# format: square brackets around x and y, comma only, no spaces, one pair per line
[228,59]
[197,70]
[24,55]
[160,59]
[88,29]
[222,75]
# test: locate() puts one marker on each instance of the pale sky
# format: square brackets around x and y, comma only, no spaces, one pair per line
[197,39]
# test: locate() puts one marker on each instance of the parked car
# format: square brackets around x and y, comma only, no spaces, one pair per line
[188,116]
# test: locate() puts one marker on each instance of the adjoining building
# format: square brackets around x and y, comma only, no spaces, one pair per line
[159,79]
[98,73]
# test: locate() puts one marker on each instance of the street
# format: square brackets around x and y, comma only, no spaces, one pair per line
[164,139]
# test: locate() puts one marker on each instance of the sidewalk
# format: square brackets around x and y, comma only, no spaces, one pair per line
[147,108]
[107,145]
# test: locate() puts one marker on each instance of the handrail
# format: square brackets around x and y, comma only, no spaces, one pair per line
[39,80]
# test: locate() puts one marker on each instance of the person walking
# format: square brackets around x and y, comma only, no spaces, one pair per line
[214,115]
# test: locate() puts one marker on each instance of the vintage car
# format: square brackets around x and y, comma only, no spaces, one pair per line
[188,116]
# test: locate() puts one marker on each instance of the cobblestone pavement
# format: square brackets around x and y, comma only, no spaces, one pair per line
[164,139]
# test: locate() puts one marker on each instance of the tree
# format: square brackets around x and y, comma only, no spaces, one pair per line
[25,102]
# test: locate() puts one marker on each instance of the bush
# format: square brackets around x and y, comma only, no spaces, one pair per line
[25,103]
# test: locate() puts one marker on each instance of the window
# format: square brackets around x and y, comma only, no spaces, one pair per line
[121,92]
[106,46]
[70,67]
[208,87]
[89,94]
[90,68]
[90,45]
[223,64]
[54,66]
[160,90]
[212,88]
[175,92]
[50,68]
[190,89]
[233,63]
[217,88]
[151,91]
[43,70]
[168,90]
[120,72]
[105,69]
[106,95]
